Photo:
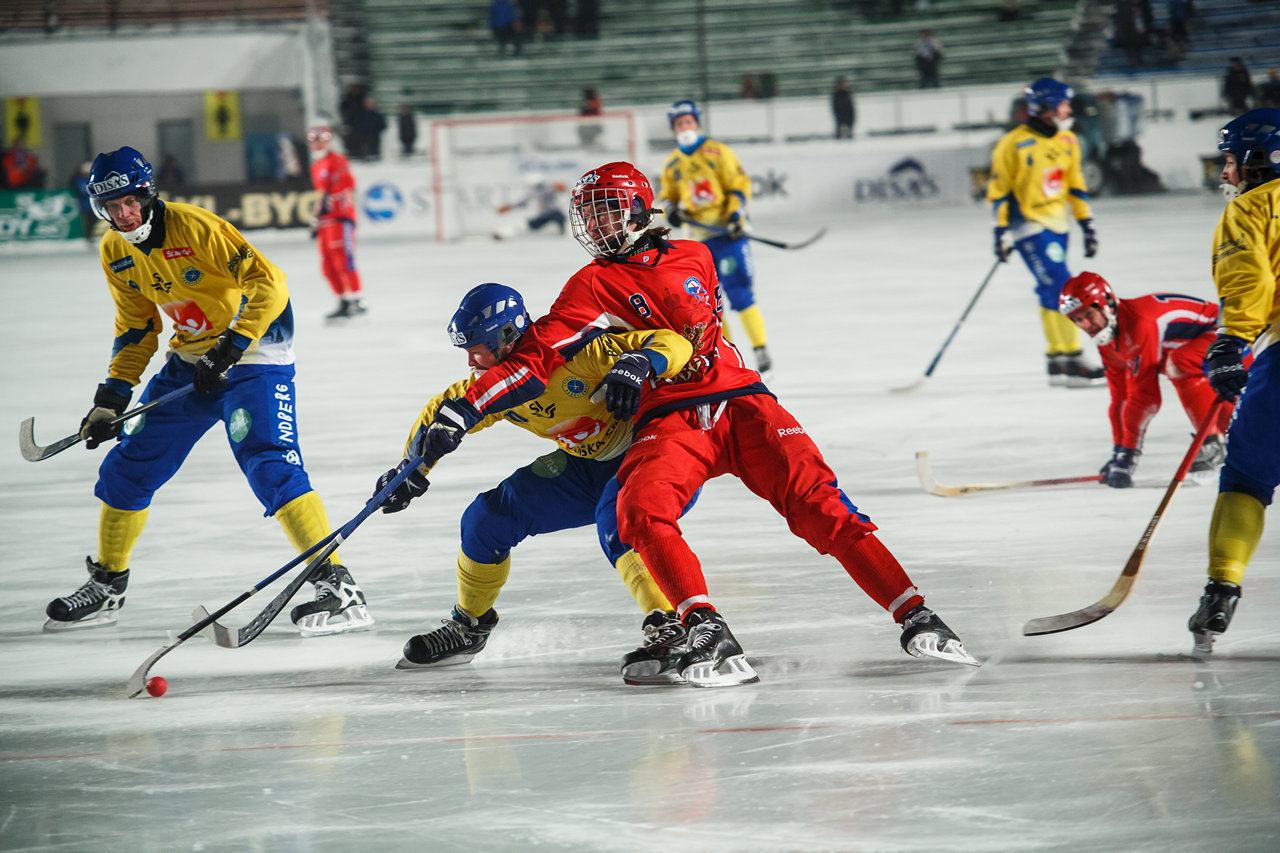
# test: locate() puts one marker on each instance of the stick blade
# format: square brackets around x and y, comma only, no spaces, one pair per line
[815,238]
[220,634]
[925,472]
[1066,621]
[907,389]
[138,681]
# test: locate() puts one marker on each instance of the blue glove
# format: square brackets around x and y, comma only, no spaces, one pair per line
[1224,366]
[1118,472]
[623,383]
[445,432]
[415,485]
[736,229]
[1002,248]
[1090,238]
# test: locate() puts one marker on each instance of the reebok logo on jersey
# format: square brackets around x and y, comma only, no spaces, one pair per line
[179,252]
[795,430]
[121,265]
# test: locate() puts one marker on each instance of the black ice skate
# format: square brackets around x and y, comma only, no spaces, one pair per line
[655,661]
[93,605]
[764,363]
[339,605]
[1069,370]
[1217,606]
[714,658]
[1209,458]
[924,635]
[458,639]
[346,310]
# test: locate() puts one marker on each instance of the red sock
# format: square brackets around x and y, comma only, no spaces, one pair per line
[677,572]
[874,568]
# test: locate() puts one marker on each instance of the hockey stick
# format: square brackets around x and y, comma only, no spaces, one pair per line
[937,358]
[138,681]
[33,452]
[1120,591]
[925,470]
[777,244]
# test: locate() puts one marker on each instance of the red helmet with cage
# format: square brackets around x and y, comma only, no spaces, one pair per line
[610,208]
[1090,290]
[319,135]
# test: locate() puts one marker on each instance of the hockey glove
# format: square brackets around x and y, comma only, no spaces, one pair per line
[1224,366]
[1118,472]
[414,486]
[737,227]
[445,432]
[674,217]
[212,367]
[1090,238]
[96,427]
[1002,248]
[623,383]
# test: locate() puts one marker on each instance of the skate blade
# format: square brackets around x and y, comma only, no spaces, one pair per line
[926,646]
[404,663]
[650,672]
[1078,382]
[732,671]
[99,620]
[354,618]
[1203,645]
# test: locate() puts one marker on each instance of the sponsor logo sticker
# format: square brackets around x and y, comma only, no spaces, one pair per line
[121,265]
[179,252]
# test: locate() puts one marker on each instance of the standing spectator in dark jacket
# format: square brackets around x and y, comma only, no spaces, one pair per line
[369,128]
[842,108]
[1237,86]
[408,130]
[350,108]
[928,58]
[504,20]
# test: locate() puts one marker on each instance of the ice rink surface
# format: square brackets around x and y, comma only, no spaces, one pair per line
[1107,738]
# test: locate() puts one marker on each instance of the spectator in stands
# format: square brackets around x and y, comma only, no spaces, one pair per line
[928,58]
[587,19]
[749,88]
[350,109]
[843,109]
[504,21]
[1010,10]
[589,133]
[369,128]
[408,130]
[1269,90]
[1237,86]
[171,173]
[21,166]
[1179,14]
[1127,31]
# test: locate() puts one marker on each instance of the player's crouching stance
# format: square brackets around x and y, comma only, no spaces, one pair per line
[230,308]
[571,487]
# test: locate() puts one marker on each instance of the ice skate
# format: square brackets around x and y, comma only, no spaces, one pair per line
[1208,460]
[347,309]
[339,605]
[93,605]
[655,661]
[1069,370]
[458,639]
[924,635]
[714,658]
[1217,606]
[764,363]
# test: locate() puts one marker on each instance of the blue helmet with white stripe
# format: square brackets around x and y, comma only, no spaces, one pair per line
[1045,94]
[1254,140]
[490,314]
[683,108]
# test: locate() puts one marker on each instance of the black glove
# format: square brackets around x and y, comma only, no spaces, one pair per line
[1224,366]
[623,383]
[1118,472]
[736,229]
[212,367]
[1002,248]
[314,228]
[414,486]
[107,405]
[1090,238]
[445,432]
[674,217]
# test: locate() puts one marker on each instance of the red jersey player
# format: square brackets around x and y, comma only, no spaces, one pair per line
[335,225]
[715,417]
[1139,339]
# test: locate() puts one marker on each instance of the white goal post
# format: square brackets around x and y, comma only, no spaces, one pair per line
[481,164]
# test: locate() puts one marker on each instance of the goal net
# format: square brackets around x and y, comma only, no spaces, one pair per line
[481,166]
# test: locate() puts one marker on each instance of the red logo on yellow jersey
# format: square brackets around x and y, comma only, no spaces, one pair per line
[1051,182]
[179,252]
[576,431]
[187,317]
[702,192]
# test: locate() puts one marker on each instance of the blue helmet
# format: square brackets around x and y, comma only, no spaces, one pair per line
[683,108]
[1254,140]
[490,314]
[1045,94]
[119,173]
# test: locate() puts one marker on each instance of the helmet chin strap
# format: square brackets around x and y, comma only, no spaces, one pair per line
[1229,191]
[142,232]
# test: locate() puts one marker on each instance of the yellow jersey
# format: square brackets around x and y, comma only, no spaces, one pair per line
[708,185]
[1246,265]
[1035,180]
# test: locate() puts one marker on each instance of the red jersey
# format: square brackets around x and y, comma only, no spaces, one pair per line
[1149,329]
[671,286]
[331,176]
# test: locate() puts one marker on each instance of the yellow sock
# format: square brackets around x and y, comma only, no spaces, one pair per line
[480,583]
[753,323]
[118,532]
[1234,533]
[637,578]
[1060,333]
[305,522]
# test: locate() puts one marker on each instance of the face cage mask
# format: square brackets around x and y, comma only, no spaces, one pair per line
[613,234]
[137,235]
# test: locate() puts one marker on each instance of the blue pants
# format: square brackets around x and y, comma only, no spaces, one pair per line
[257,407]
[1045,255]
[556,492]
[735,269]
[1253,450]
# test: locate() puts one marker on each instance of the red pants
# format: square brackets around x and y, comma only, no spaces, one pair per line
[759,442]
[1184,368]
[337,241]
